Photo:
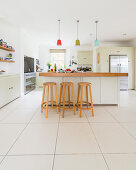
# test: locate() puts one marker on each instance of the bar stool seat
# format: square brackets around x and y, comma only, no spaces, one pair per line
[84,83]
[63,86]
[44,104]
[49,83]
[80,88]
[66,83]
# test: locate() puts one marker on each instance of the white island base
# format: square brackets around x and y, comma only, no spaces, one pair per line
[105,90]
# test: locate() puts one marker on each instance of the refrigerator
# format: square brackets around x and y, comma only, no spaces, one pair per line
[119,64]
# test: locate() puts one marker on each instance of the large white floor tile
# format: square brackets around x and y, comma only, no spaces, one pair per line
[3,113]
[131,127]
[100,115]
[19,116]
[70,117]
[36,139]
[34,162]
[76,138]
[79,162]
[7,109]
[1,157]
[121,161]
[40,117]
[123,114]
[29,102]
[112,138]
[8,135]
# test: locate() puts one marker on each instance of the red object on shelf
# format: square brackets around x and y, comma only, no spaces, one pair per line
[68,69]
[52,70]
[59,42]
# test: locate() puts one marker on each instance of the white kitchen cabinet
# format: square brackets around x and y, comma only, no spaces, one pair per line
[9,88]
[3,91]
[84,57]
[110,90]
[105,52]
[96,85]
[105,90]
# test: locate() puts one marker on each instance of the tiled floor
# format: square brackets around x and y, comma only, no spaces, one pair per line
[29,141]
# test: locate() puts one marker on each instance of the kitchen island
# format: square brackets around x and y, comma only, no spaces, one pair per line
[105,86]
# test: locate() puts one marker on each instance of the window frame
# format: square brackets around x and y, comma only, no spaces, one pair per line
[55,51]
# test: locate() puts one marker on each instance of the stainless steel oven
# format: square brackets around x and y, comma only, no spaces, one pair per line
[29,82]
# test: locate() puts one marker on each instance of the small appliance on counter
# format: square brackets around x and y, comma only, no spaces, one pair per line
[84,69]
[68,70]
[61,71]
[2,71]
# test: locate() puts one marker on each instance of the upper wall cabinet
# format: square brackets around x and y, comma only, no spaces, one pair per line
[85,57]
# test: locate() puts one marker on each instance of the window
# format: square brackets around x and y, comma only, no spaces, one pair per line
[58,57]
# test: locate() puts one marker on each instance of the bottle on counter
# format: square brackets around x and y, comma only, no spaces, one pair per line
[55,67]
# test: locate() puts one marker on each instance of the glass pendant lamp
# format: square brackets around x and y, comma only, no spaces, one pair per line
[96,42]
[77,41]
[59,43]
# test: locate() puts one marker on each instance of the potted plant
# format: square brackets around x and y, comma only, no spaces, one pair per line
[10,55]
[49,65]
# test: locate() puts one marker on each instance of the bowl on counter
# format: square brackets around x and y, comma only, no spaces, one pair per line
[2,71]
[61,71]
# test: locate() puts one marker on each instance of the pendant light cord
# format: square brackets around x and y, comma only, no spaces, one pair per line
[59,28]
[77,28]
[96,29]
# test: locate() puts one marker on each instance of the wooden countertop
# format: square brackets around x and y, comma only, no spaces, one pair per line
[83,74]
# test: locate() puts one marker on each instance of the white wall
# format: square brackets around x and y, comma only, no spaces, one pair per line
[105,52]
[30,48]
[44,54]
[135,68]
[10,34]
[23,44]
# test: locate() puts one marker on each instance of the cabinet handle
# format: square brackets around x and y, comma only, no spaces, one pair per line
[10,88]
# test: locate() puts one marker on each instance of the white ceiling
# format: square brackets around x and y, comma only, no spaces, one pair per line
[39,18]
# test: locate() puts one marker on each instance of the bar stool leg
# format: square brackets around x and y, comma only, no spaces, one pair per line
[69,95]
[73,99]
[81,101]
[43,98]
[64,101]
[51,96]
[56,98]
[91,100]
[47,101]
[87,96]
[61,88]
[78,96]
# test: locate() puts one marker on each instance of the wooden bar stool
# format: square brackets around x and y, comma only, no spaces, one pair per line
[63,86]
[44,104]
[80,88]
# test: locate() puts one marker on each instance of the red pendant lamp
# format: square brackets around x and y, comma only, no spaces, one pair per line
[59,43]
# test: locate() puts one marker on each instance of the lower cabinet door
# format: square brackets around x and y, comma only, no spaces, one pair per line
[9,89]
[3,91]
[14,88]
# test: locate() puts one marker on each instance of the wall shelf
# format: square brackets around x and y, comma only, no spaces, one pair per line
[6,49]
[9,61]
